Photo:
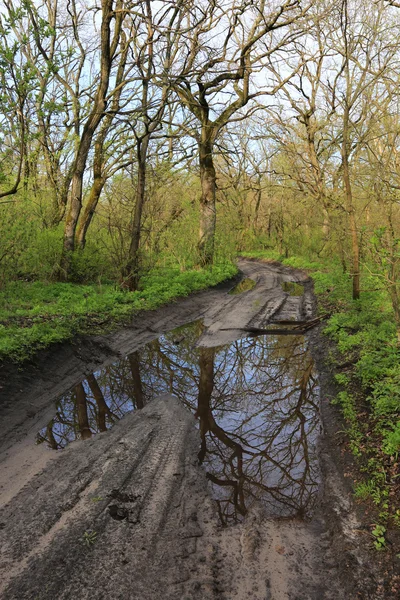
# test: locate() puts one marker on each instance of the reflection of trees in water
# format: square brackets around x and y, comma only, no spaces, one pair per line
[95,404]
[268,454]
[229,475]
[256,401]
[256,405]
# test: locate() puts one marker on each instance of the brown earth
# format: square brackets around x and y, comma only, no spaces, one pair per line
[128,514]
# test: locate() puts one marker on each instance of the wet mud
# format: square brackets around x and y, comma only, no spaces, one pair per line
[256,402]
[181,458]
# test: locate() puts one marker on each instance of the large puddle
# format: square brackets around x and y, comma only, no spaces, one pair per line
[256,402]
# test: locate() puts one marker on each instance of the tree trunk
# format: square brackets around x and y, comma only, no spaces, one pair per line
[76,201]
[102,408]
[206,386]
[350,208]
[326,226]
[257,206]
[75,206]
[207,202]
[88,213]
[318,177]
[99,179]
[136,379]
[81,408]
[93,120]
[132,269]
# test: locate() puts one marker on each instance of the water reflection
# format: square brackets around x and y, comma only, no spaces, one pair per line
[95,404]
[256,401]
[243,286]
[293,288]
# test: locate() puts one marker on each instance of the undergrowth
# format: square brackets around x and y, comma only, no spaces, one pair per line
[367,361]
[36,314]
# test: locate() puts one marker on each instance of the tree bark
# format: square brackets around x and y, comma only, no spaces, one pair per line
[90,208]
[89,129]
[81,408]
[318,183]
[136,379]
[132,269]
[207,201]
[102,408]
[99,175]
[350,207]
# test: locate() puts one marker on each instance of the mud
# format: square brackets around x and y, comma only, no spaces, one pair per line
[256,402]
[160,503]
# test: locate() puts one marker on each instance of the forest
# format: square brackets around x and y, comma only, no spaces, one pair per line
[145,144]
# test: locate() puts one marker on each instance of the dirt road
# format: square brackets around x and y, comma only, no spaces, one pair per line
[128,513]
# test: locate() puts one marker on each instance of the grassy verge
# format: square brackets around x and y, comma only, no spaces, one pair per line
[367,364]
[34,315]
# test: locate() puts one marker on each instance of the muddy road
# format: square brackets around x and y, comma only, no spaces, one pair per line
[180,458]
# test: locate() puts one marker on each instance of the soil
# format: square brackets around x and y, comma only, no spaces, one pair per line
[128,513]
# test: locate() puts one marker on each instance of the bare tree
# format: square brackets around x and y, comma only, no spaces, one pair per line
[367,50]
[109,42]
[56,39]
[153,55]
[108,158]
[221,51]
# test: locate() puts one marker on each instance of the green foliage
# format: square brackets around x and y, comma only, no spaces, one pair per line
[297,262]
[368,490]
[90,265]
[263,254]
[348,405]
[16,234]
[36,314]
[89,538]
[365,332]
[342,379]
[35,311]
[391,441]
[379,537]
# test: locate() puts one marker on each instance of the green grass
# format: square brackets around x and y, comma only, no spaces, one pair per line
[34,315]
[365,339]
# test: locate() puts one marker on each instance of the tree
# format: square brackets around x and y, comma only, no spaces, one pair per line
[44,32]
[221,52]
[367,51]
[151,42]
[55,113]
[109,157]
[17,83]
[109,42]
[304,134]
